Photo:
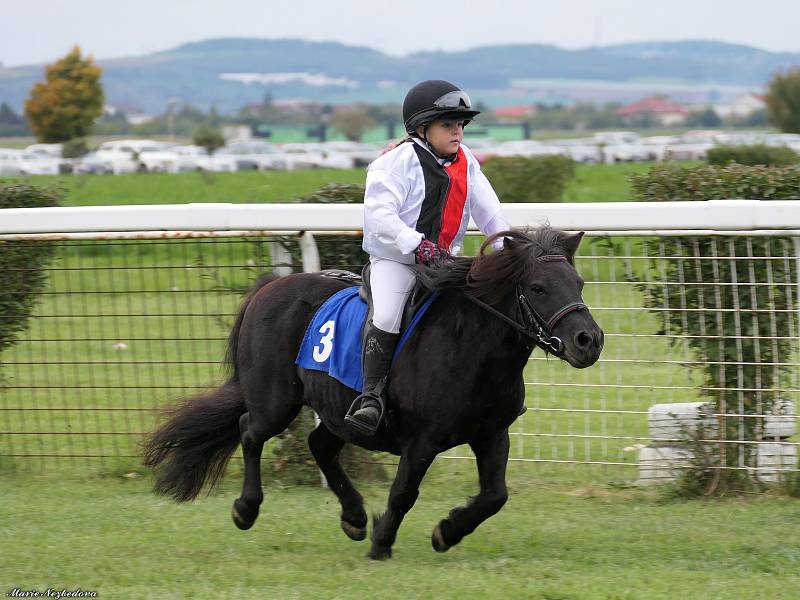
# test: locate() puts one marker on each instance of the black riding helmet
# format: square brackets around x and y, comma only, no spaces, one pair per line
[436,99]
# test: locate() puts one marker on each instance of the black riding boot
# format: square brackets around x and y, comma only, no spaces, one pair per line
[367,410]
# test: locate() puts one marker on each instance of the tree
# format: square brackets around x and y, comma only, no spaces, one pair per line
[67,103]
[209,138]
[704,118]
[783,101]
[352,122]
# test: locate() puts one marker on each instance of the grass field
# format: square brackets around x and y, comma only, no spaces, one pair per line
[552,541]
[592,183]
[568,532]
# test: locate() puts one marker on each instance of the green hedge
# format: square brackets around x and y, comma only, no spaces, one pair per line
[670,182]
[757,154]
[22,264]
[738,344]
[335,252]
[533,179]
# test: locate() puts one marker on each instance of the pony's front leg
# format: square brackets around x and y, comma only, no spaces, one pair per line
[492,456]
[414,462]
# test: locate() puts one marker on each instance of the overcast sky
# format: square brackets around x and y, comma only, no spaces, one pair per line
[34,31]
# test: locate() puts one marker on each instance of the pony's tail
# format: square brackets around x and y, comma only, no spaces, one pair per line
[194,446]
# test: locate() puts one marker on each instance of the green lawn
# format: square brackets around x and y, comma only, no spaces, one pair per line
[551,541]
[592,183]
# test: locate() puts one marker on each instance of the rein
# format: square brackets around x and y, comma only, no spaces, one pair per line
[535,326]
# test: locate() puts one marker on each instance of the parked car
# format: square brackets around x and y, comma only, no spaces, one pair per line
[582,150]
[35,163]
[527,148]
[265,156]
[621,146]
[9,162]
[317,156]
[91,164]
[790,140]
[360,154]
[659,147]
[48,150]
[123,155]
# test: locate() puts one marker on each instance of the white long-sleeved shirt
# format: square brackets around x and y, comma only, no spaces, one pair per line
[411,194]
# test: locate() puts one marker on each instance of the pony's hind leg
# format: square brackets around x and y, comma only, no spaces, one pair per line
[326,447]
[245,508]
[491,456]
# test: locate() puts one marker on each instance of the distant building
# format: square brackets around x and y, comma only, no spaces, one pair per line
[292,105]
[237,133]
[743,106]
[662,110]
[299,105]
[521,111]
[132,114]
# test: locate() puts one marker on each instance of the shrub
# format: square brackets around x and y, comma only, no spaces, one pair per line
[739,346]
[22,276]
[757,154]
[533,179]
[74,148]
[335,252]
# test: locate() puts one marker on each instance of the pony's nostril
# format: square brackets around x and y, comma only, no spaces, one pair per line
[583,339]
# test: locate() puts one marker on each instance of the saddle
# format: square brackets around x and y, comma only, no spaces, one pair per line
[416,300]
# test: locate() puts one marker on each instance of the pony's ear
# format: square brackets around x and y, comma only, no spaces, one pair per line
[509,243]
[570,242]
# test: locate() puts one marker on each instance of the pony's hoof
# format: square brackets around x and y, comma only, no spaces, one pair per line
[239,520]
[437,539]
[380,553]
[354,533]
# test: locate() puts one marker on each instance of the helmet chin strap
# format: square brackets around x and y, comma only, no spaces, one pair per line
[445,157]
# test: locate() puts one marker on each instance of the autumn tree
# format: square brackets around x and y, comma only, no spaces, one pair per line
[352,122]
[783,101]
[66,104]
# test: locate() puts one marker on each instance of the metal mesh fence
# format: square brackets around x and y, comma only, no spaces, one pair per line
[706,325]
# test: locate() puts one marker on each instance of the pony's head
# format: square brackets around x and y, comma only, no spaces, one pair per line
[537,268]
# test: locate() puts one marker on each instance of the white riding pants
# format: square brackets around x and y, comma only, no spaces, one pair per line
[391,283]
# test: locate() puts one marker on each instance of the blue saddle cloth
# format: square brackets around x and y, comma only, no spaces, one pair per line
[332,342]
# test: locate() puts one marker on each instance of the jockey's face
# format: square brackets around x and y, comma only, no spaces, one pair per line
[445,136]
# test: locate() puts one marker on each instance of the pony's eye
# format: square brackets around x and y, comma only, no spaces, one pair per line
[537,289]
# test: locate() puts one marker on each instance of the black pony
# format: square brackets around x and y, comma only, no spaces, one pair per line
[458,380]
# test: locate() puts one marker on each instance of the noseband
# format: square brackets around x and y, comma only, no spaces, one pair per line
[535,326]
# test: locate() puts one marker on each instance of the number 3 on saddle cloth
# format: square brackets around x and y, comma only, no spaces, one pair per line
[332,342]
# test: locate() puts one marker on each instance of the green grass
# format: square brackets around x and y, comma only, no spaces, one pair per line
[167,188]
[551,541]
[592,183]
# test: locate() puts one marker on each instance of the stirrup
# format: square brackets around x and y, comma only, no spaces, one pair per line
[360,426]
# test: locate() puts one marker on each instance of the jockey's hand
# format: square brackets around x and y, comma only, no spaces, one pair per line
[427,252]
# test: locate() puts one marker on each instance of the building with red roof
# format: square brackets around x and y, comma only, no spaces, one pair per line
[521,111]
[659,109]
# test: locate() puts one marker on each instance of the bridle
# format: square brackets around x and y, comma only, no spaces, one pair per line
[534,325]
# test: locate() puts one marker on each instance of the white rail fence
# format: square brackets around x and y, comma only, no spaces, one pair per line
[698,301]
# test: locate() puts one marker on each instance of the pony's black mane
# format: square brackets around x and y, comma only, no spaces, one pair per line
[490,277]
